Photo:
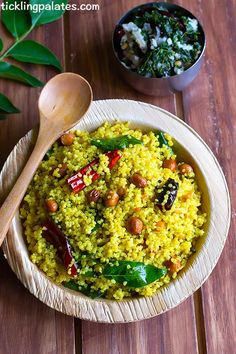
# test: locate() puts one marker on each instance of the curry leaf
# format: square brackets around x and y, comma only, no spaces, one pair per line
[1,44]
[9,71]
[133,274]
[47,14]
[71,285]
[120,142]
[6,106]
[16,21]
[93,294]
[86,290]
[29,51]
[162,141]
[48,154]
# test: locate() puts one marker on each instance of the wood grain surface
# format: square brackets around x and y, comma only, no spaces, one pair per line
[206,322]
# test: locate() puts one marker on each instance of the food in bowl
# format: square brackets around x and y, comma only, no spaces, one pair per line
[156,42]
[113,213]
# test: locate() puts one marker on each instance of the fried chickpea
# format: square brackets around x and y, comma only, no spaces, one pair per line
[93,195]
[173,267]
[170,164]
[138,180]
[111,199]
[67,139]
[185,169]
[134,225]
[51,205]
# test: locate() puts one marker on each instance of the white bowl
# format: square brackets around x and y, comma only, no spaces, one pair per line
[215,201]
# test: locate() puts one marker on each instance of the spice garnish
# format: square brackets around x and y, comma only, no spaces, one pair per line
[59,240]
[167,196]
[77,181]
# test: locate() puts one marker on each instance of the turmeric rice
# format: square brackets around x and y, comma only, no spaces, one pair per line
[138,204]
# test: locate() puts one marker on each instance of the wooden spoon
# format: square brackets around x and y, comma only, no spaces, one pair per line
[62,103]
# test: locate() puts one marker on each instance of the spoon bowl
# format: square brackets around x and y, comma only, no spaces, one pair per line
[62,103]
[67,96]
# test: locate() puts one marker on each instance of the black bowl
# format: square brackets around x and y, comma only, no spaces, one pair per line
[164,85]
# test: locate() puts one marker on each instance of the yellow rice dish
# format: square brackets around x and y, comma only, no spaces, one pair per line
[113,213]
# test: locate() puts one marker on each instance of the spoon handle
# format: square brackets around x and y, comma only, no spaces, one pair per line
[12,202]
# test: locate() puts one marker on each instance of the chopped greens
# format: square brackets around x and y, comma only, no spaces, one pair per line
[98,220]
[96,227]
[158,43]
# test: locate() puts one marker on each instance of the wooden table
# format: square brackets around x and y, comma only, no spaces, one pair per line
[206,322]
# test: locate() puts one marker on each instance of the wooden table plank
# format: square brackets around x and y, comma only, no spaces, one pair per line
[91,56]
[27,325]
[210,108]
[164,334]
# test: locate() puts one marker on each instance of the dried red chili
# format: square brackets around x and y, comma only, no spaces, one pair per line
[59,240]
[77,181]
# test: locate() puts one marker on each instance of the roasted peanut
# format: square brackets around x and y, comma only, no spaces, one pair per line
[170,164]
[67,139]
[111,199]
[93,195]
[138,180]
[185,169]
[134,225]
[51,205]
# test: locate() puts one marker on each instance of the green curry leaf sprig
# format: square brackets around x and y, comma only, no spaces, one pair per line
[19,23]
[118,143]
[133,274]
